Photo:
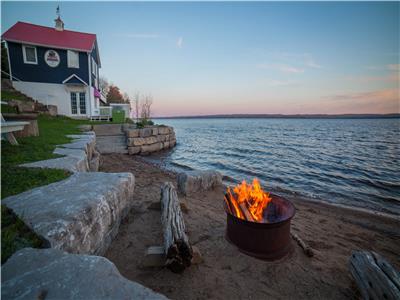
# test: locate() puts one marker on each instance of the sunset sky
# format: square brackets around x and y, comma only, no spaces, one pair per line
[228,58]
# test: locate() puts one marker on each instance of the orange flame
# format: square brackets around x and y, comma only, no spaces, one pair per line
[248,198]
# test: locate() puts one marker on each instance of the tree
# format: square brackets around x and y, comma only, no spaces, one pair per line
[114,95]
[136,105]
[146,107]
[104,85]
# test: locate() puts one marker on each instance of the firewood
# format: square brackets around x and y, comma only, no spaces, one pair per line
[176,243]
[374,276]
[246,212]
[307,250]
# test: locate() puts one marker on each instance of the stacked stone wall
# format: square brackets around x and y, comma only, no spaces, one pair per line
[150,139]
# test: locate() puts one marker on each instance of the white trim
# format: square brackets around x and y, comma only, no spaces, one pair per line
[46,46]
[69,59]
[9,61]
[77,77]
[24,55]
[90,84]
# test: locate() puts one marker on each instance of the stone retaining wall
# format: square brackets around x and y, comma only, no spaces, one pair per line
[150,139]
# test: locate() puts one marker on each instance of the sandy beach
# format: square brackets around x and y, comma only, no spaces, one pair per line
[226,273]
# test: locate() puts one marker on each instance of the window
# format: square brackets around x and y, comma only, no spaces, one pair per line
[29,54]
[74,107]
[94,67]
[82,103]
[73,59]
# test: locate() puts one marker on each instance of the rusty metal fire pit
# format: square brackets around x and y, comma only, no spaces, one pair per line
[269,239]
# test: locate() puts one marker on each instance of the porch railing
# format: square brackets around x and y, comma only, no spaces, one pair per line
[105,111]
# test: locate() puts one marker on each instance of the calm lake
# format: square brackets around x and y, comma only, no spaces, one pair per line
[348,161]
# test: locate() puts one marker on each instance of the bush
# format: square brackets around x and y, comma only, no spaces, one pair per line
[143,123]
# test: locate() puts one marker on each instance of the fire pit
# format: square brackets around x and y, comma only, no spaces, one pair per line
[258,223]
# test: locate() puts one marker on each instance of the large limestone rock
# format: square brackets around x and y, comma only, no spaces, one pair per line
[53,274]
[68,163]
[197,181]
[80,214]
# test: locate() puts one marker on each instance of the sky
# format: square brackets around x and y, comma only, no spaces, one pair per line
[240,57]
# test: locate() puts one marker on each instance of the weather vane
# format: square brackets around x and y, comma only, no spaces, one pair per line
[58,11]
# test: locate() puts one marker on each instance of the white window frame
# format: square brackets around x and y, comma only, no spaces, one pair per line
[94,65]
[24,55]
[71,52]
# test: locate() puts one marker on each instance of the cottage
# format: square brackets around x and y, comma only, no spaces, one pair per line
[56,66]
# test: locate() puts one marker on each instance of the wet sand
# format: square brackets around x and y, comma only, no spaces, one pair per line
[226,273]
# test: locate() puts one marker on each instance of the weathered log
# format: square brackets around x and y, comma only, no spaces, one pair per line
[246,213]
[374,276]
[176,243]
[307,250]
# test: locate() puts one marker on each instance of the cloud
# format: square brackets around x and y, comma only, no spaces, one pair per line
[275,83]
[379,101]
[140,35]
[281,68]
[179,42]
[394,77]
[393,67]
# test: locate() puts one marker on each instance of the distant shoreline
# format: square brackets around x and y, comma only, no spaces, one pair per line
[281,116]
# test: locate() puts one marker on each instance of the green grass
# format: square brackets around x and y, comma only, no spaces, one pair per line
[15,180]
[15,235]
[8,95]
[8,109]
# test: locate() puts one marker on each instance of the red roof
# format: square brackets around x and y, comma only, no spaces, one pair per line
[48,36]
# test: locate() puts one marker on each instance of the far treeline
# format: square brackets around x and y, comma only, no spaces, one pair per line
[280,116]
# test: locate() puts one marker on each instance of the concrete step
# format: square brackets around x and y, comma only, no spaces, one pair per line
[111,144]
[108,129]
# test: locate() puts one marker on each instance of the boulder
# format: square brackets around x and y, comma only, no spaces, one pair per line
[85,128]
[136,141]
[162,137]
[145,132]
[52,110]
[163,130]
[68,163]
[134,150]
[80,214]
[94,163]
[150,140]
[53,274]
[131,133]
[23,106]
[151,148]
[197,181]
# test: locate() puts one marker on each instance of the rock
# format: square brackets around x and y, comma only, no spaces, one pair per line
[85,128]
[154,130]
[52,110]
[145,132]
[197,258]
[80,214]
[134,150]
[136,141]
[94,162]
[68,163]
[162,137]
[163,130]
[23,106]
[53,274]
[196,181]
[131,133]
[150,140]
[151,148]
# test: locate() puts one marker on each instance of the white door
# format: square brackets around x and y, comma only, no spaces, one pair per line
[78,103]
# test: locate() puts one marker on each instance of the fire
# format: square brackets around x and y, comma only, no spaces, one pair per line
[247,201]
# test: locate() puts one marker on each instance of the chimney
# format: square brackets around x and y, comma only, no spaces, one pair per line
[59,24]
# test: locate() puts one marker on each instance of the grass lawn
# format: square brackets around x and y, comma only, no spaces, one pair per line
[8,95]
[15,180]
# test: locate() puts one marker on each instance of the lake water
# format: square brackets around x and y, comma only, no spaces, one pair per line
[347,161]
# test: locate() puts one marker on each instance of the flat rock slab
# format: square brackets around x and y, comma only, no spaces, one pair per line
[80,214]
[196,181]
[53,274]
[69,163]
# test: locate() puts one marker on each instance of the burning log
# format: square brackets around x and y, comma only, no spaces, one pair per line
[176,243]
[375,277]
[307,250]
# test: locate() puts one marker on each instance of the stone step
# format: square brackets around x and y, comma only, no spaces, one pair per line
[108,129]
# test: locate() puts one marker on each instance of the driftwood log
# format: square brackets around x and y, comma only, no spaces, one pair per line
[307,249]
[374,276]
[176,243]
